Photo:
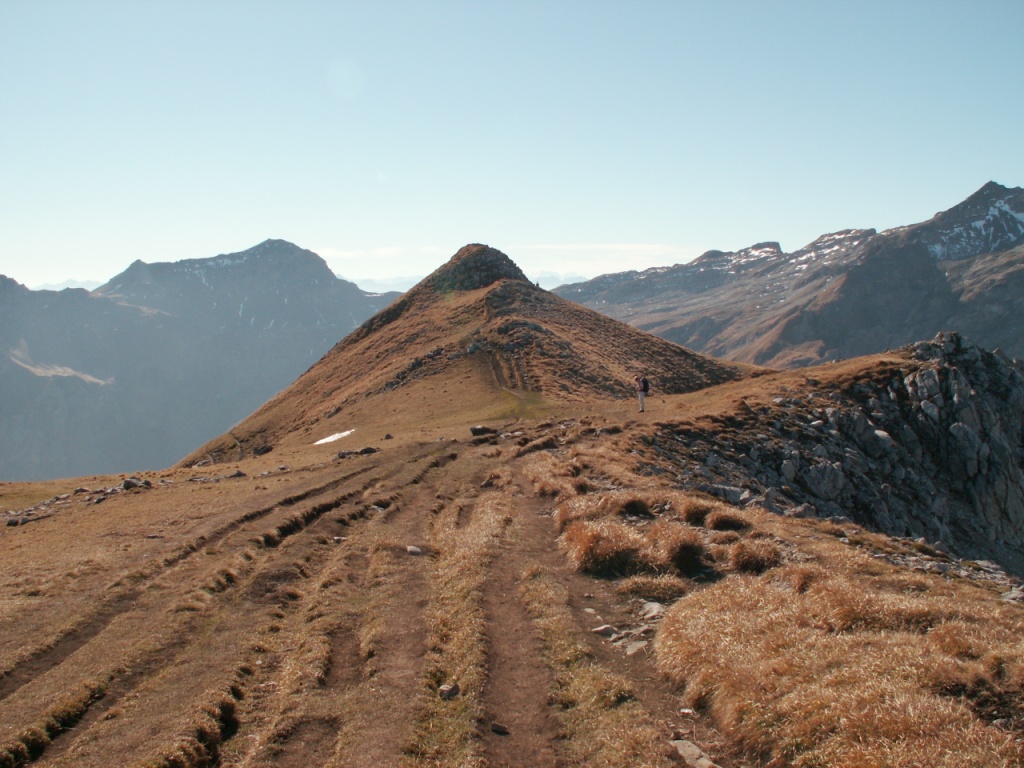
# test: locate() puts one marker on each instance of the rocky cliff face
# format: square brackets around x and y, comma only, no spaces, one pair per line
[928,444]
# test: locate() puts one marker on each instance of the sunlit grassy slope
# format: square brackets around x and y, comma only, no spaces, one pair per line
[414,594]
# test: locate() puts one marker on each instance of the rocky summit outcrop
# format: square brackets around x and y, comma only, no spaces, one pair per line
[848,293]
[473,266]
[927,444]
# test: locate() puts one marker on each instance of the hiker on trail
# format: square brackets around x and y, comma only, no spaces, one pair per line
[643,386]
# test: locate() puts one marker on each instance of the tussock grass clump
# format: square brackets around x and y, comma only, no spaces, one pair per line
[723,538]
[573,509]
[807,667]
[726,520]
[551,475]
[606,548]
[801,577]
[695,509]
[616,504]
[581,485]
[664,588]
[605,460]
[754,556]
[678,545]
[540,444]
[610,534]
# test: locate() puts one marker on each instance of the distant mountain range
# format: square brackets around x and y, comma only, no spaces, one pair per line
[142,370]
[846,294]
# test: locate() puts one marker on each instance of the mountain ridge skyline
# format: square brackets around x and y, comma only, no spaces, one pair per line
[547,277]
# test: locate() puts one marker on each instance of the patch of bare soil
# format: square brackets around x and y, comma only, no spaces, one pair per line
[516,698]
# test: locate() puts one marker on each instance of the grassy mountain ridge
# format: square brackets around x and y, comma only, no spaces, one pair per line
[477,320]
[575,584]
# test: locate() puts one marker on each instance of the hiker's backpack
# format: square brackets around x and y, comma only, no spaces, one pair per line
[645,386]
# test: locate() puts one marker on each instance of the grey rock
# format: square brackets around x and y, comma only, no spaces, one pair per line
[448,691]
[652,610]
[825,481]
[635,647]
[692,755]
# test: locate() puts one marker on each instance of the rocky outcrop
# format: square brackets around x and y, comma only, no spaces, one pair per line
[930,448]
[473,266]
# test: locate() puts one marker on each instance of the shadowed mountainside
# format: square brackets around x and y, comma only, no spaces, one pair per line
[162,357]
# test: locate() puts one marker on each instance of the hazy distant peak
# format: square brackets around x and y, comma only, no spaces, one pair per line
[473,266]
[279,258]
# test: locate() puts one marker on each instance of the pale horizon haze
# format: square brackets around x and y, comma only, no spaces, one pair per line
[580,137]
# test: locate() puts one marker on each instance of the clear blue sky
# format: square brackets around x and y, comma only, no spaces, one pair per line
[578,136]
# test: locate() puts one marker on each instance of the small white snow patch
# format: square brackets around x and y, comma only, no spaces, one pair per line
[335,436]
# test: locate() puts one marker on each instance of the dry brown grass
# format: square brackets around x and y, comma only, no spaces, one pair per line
[552,476]
[607,548]
[604,462]
[444,732]
[812,668]
[754,556]
[599,542]
[695,509]
[619,504]
[27,746]
[726,519]
[679,545]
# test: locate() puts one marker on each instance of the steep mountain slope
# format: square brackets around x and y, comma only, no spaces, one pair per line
[161,358]
[848,293]
[426,558]
[478,315]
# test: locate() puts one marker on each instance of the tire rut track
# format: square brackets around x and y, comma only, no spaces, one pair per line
[518,688]
[341,675]
[124,681]
[35,664]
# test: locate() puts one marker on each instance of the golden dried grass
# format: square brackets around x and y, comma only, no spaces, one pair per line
[444,731]
[605,460]
[805,668]
[726,519]
[695,509]
[67,710]
[551,476]
[607,548]
[754,556]
[679,545]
